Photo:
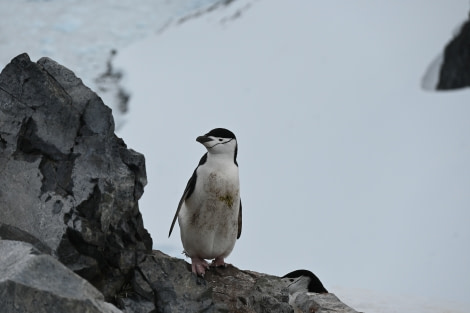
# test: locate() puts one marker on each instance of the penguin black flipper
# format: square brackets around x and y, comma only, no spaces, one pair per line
[191,184]
[240,220]
[188,191]
[315,284]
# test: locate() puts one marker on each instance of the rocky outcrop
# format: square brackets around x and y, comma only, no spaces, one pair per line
[26,284]
[66,179]
[71,234]
[455,70]
[176,289]
[451,70]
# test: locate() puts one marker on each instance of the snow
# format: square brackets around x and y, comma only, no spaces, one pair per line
[431,76]
[348,168]
[82,33]
[345,162]
[364,300]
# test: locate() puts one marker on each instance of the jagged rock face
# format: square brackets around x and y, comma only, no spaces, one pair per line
[65,178]
[318,303]
[26,284]
[169,283]
[455,70]
[175,289]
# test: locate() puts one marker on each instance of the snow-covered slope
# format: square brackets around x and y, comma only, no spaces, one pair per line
[368,301]
[81,34]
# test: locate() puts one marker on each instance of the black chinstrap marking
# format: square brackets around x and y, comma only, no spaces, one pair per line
[236,150]
[220,143]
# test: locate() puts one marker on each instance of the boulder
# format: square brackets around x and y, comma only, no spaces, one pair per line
[318,303]
[66,179]
[176,289]
[35,282]
[455,69]
[9,232]
[170,284]
[451,69]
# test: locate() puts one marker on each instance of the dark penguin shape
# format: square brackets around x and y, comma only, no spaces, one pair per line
[301,279]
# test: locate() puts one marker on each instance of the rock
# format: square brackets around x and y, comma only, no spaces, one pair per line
[69,191]
[8,232]
[319,303]
[66,179]
[35,282]
[229,289]
[451,70]
[176,289]
[455,70]
[135,304]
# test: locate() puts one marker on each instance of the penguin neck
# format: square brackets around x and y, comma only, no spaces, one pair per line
[221,159]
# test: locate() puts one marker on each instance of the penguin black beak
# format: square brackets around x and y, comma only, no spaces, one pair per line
[203,139]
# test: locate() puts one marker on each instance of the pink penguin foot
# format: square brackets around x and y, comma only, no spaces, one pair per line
[199,266]
[218,262]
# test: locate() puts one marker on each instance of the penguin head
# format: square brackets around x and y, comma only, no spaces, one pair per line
[304,280]
[220,141]
[298,284]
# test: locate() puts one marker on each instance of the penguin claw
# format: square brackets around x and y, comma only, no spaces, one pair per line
[218,262]
[199,266]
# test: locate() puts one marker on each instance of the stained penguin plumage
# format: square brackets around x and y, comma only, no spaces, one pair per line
[209,212]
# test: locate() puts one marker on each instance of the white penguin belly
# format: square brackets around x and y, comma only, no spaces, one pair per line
[209,218]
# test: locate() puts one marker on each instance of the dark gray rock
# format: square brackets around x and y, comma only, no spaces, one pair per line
[451,70]
[175,289]
[318,303]
[66,179]
[35,282]
[8,232]
[455,69]
[229,289]
[136,304]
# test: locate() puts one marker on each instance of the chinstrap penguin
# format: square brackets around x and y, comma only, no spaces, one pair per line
[210,211]
[299,283]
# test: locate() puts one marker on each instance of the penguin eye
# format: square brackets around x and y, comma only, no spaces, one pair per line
[220,139]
